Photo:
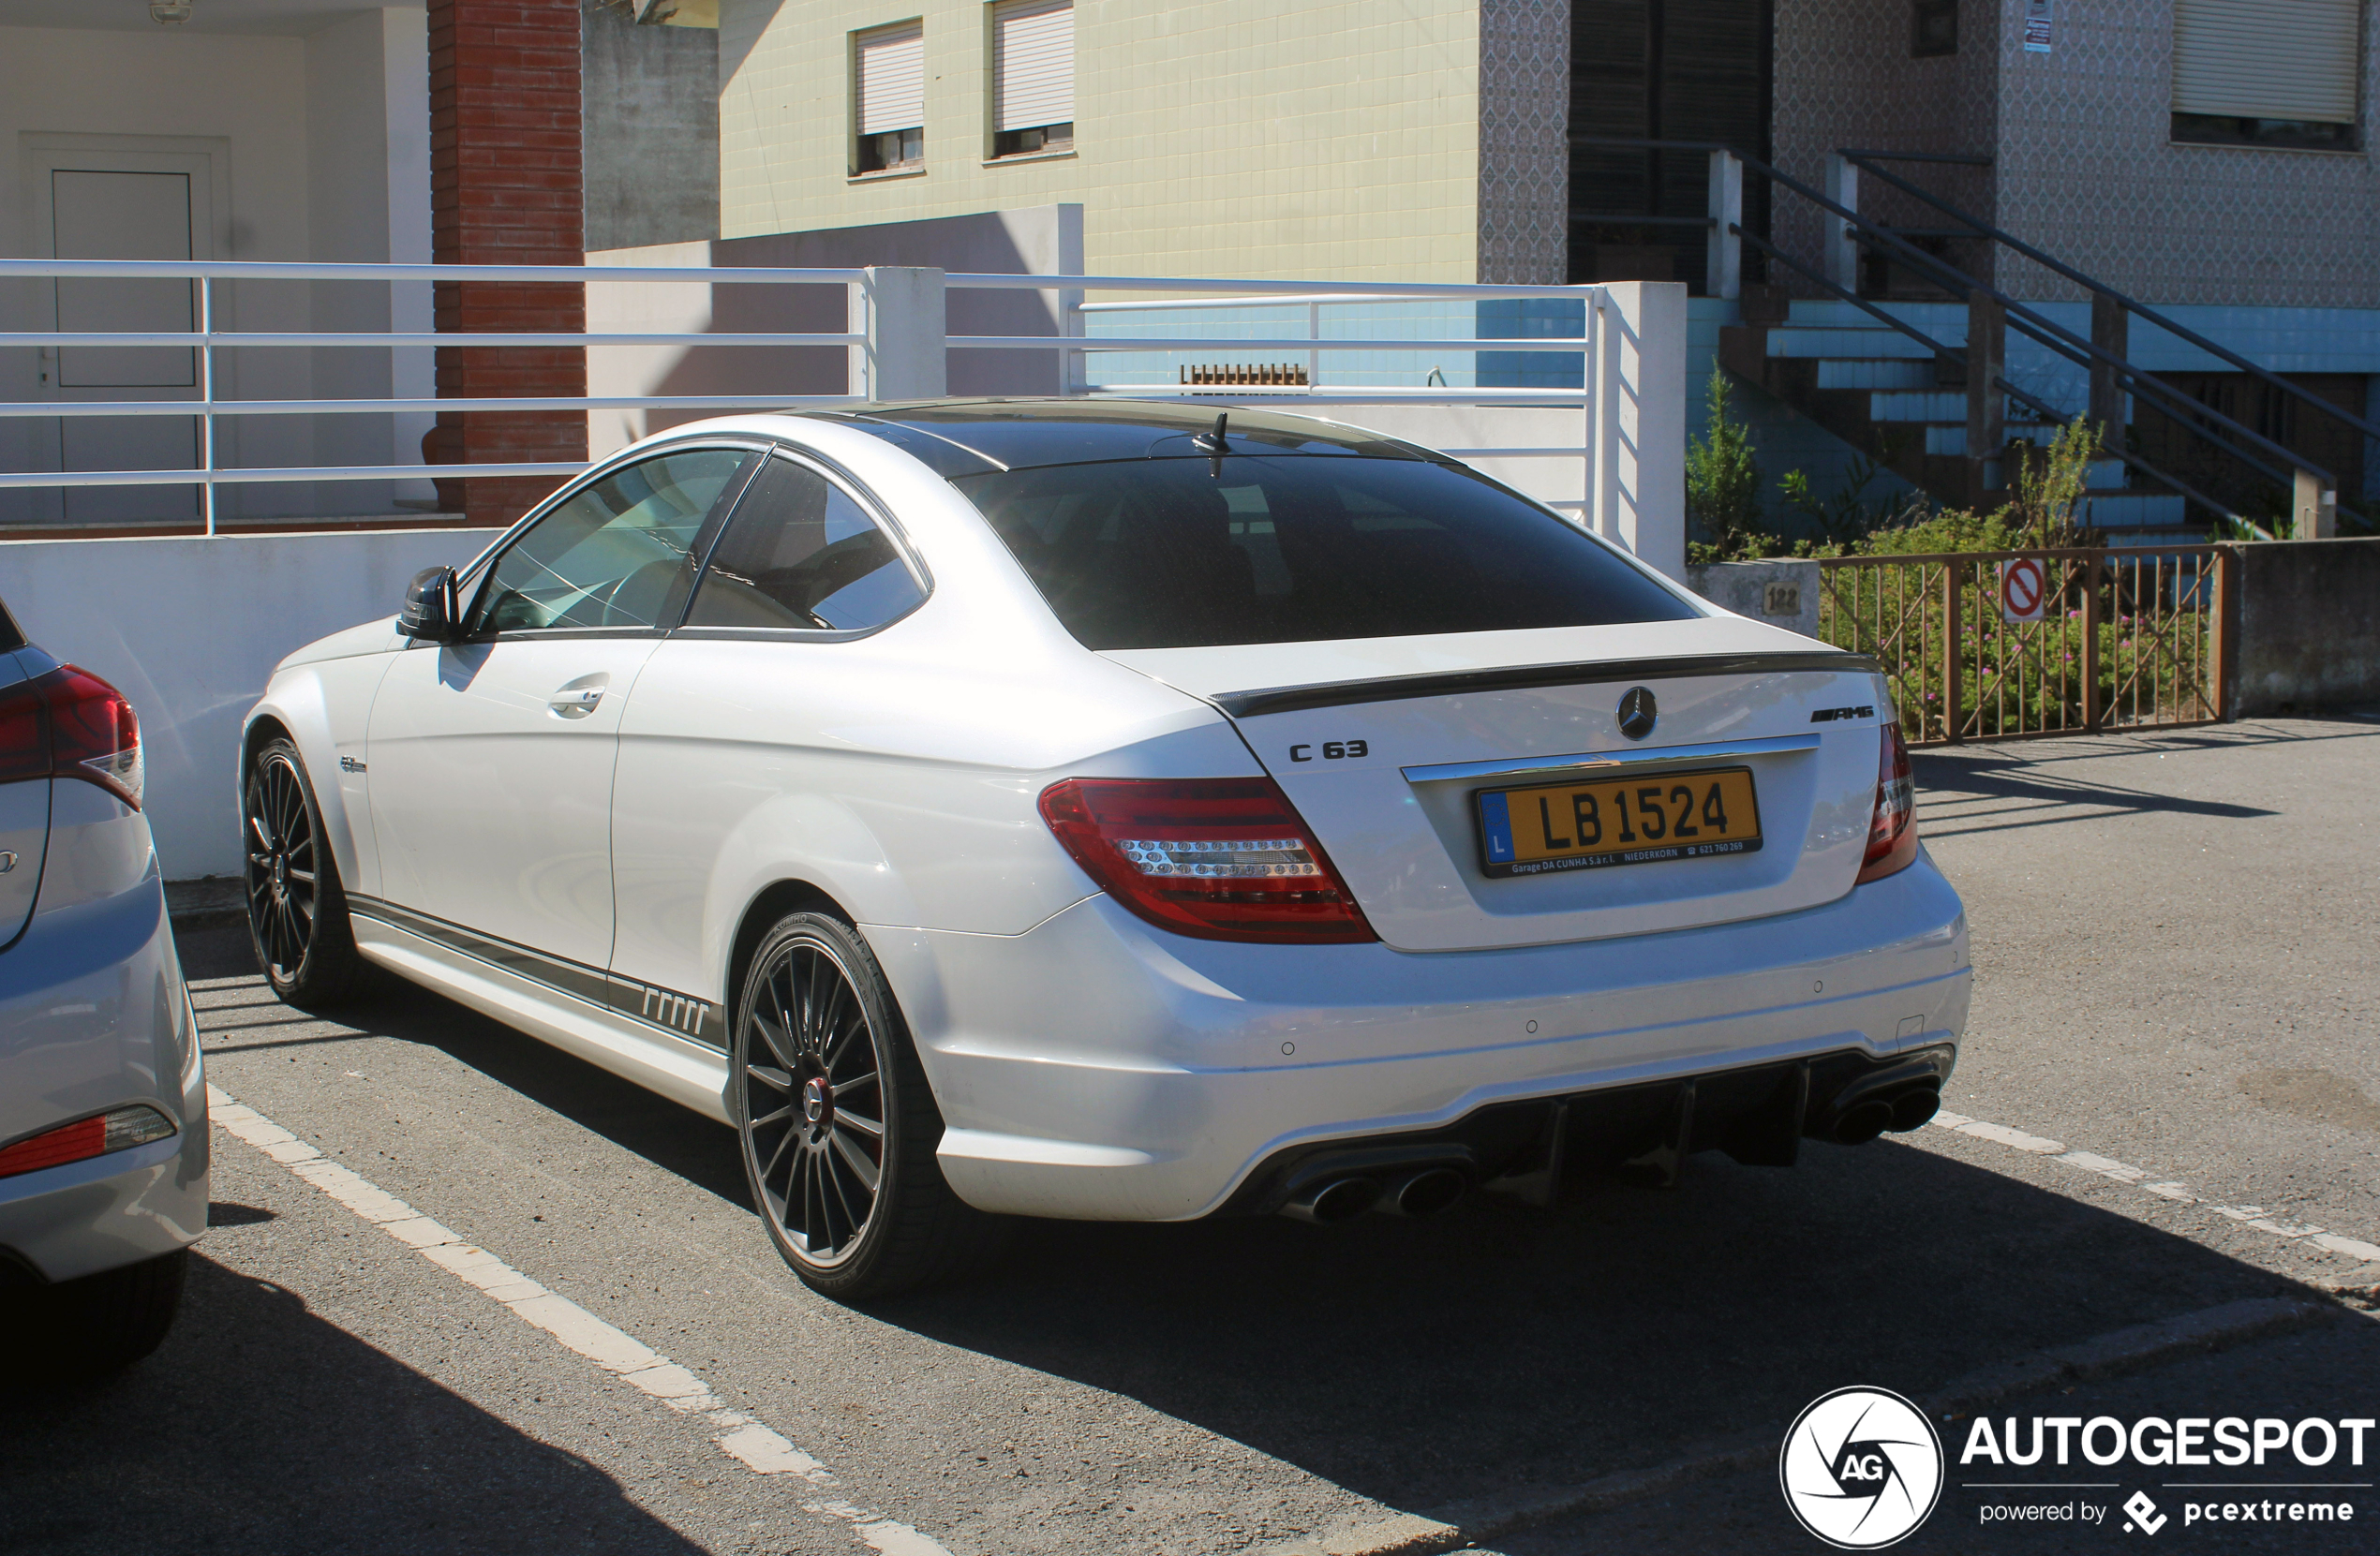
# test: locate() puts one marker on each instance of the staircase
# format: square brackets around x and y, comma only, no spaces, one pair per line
[1892,400]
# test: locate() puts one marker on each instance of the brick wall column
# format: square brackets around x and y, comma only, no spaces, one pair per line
[506,188]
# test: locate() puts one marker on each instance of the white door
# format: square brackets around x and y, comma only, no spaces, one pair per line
[491,758]
[124,205]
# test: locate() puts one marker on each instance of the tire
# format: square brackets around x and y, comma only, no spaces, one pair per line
[297,909]
[99,1324]
[837,1124]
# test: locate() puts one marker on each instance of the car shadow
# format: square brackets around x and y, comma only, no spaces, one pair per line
[1498,1347]
[696,1149]
[292,1435]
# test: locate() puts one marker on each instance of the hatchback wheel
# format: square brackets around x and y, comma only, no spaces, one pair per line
[94,1324]
[297,912]
[837,1122]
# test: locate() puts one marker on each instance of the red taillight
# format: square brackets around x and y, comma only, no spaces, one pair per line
[70,723]
[1224,859]
[121,1130]
[1891,831]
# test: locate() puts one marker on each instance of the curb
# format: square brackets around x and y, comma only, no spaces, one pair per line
[1459,1525]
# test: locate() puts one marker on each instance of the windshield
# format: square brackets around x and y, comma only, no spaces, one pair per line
[1169,554]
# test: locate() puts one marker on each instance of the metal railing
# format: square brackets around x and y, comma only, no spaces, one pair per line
[2117,638]
[2313,491]
[895,351]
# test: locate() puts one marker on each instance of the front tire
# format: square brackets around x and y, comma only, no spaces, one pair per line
[837,1124]
[297,909]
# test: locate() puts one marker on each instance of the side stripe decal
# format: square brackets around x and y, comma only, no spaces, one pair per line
[666,1009]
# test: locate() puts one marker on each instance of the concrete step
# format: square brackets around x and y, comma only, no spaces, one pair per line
[1920,406]
[1826,313]
[1836,373]
[2129,510]
[1952,440]
[1876,342]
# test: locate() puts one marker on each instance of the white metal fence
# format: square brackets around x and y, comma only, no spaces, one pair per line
[1625,458]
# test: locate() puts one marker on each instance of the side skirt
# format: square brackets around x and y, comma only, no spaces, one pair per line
[691,1073]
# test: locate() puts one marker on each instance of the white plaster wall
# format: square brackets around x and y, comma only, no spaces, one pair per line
[190,629]
[328,158]
[368,200]
[248,91]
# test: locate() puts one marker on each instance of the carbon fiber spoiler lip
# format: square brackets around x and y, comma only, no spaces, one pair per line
[1391,689]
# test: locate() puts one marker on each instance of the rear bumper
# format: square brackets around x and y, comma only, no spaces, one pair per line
[1095,1067]
[94,1014]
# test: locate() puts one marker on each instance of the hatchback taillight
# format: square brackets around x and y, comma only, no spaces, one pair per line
[70,723]
[1224,859]
[121,1130]
[1891,829]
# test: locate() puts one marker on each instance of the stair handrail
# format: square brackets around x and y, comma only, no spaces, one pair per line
[1866,161]
[2032,323]
[2022,397]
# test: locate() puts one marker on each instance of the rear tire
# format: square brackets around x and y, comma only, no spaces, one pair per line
[99,1324]
[836,1121]
[297,909]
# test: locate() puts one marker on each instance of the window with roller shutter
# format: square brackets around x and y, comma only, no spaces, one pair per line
[2267,72]
[1033,77]
[888,97]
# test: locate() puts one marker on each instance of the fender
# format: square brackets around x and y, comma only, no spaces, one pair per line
[324,701]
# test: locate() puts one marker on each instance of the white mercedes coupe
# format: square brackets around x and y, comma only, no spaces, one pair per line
[1114,810]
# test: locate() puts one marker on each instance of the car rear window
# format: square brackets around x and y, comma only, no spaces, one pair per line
[1184,553]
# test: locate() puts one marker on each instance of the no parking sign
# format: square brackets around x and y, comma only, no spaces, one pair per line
[2021,587]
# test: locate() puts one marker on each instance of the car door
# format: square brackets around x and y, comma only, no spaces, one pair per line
[762,714]
[491,756]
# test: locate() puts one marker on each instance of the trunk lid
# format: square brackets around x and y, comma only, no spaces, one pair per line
[1386,745]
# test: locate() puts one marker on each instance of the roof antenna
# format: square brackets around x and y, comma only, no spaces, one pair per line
[1211,440]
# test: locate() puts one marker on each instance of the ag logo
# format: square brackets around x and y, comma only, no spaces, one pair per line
[1861,1468]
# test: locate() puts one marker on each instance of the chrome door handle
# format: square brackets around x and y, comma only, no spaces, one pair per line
[576,701]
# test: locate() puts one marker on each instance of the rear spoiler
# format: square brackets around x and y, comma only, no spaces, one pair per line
[1391,689]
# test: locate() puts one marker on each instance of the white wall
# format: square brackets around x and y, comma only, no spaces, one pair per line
[190,629]
[327,132]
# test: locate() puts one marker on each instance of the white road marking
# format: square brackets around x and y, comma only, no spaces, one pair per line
[2247,1215]
[750,1442]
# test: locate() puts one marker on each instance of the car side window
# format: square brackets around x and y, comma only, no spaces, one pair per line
[800,553]
[617,553]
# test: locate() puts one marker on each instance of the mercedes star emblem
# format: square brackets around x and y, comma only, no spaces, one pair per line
[1637,713]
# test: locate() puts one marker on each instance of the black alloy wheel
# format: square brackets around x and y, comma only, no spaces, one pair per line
[837,1122]
[297,913]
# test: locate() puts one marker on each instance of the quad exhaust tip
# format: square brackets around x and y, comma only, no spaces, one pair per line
[1899,1111]
[1426,1192]
[1413,1192]
[1333,1201]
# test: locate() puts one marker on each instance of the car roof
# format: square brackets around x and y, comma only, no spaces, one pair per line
[963,437]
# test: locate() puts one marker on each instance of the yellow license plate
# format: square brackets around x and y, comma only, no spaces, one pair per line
[1631,820]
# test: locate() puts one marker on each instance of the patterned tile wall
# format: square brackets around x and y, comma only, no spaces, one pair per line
[1845,78]
[2087,173]
[1524,157]
[2084,167]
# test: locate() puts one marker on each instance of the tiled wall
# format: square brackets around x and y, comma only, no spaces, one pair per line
[2084,167]
[2087,173]
[1320,140]
[1845,78]
[1524,156]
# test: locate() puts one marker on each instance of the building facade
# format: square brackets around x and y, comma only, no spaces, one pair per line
[1339,139]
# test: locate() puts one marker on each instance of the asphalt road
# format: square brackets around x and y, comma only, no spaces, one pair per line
[2174,938]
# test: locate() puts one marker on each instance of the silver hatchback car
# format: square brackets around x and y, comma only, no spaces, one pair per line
[103,1122]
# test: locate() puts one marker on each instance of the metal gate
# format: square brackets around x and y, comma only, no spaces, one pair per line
[2006,644]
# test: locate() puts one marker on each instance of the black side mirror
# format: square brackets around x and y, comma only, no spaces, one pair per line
[429,612]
